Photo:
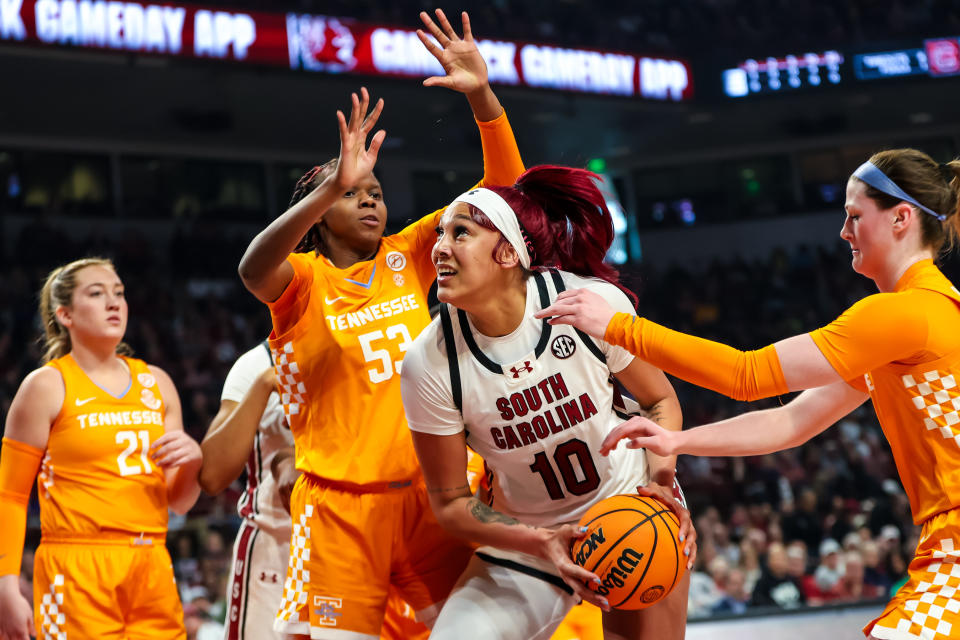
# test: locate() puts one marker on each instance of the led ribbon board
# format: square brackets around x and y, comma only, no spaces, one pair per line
[326,44]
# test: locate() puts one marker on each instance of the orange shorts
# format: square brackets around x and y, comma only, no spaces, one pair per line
[927,607]
[116,587]
[400,622]
[347,548]
[584,622]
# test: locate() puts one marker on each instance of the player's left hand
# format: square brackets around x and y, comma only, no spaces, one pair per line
[175,449]
[642,433]
[583,309]
[687,534]
[465,68]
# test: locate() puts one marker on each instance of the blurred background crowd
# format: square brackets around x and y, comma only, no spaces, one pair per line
[824,523]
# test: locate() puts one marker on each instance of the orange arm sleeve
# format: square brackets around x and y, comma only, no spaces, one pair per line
[741,375]
[502,164]
[19,463]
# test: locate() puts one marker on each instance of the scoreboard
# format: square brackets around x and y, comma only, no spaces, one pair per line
[777,75]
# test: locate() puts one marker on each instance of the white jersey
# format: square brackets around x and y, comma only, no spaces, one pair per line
[537,403]
[260,502]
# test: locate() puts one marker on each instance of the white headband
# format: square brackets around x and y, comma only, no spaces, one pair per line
[501,215]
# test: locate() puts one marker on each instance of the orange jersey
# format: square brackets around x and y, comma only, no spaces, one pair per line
[339,337]
[338,365]
[96,473]
[903,348]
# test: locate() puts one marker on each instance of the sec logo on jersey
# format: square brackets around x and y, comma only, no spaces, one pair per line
[563,347]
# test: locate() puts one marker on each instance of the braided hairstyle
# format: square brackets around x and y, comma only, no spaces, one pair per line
[313,240]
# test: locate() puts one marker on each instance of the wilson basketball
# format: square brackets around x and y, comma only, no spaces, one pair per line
[632,546]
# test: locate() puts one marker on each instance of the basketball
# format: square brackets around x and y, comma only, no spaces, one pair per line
[631,544]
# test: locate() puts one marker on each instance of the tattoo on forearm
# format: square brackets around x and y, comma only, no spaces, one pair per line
[485,514]
[463,487]
[655,413]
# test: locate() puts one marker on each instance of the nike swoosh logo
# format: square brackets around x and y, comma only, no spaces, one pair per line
[327,300]
[80,402]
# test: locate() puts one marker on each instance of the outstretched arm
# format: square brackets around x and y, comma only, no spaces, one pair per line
[229,440]
[466,72]
[444,463]
[749,434]
[789,365]
[264,268]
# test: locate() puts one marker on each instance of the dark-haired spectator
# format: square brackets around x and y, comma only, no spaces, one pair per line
[776,587]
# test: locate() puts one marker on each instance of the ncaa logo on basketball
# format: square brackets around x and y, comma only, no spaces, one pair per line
[396,261]
[563,347]
[327,610]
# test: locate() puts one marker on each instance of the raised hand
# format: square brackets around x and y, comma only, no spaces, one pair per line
[465,68]
[581,308]
[356,159]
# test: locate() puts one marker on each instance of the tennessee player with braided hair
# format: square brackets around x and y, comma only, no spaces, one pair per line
[346,303]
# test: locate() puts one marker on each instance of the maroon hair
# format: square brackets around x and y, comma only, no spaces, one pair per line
[564,217]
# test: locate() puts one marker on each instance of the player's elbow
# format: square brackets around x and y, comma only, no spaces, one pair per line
[212,483]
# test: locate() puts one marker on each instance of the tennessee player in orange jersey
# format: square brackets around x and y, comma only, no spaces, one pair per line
[899,347]
[105,432]
[346,303]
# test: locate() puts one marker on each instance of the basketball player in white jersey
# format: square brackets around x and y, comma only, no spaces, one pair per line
[535,401]
[250,431]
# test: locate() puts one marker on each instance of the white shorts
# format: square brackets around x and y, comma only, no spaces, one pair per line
[256,583]
[498,599]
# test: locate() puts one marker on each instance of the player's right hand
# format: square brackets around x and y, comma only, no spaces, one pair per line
[356,160]
[16,618]
[557,550]
[641,433]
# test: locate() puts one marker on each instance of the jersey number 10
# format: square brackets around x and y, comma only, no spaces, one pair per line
[563,457]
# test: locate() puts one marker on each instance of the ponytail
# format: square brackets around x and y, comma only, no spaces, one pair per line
[564,217]
[951,173]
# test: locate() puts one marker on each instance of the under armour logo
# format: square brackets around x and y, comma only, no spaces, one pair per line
[526,368]
[265,578]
